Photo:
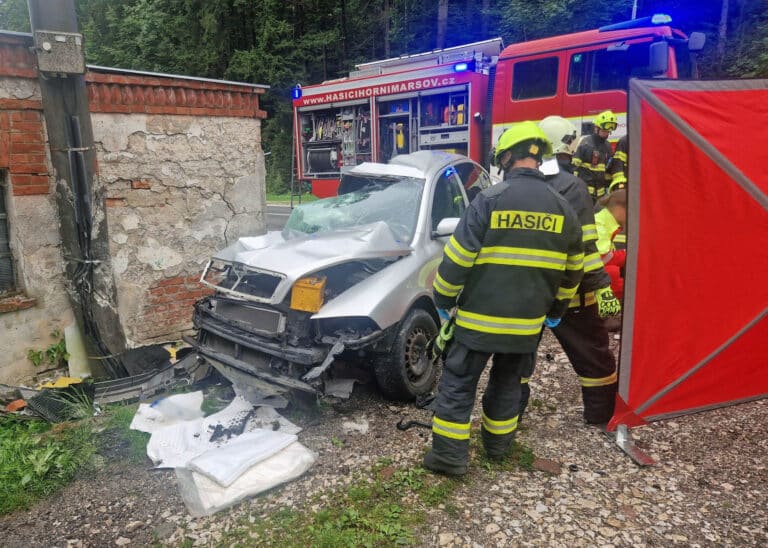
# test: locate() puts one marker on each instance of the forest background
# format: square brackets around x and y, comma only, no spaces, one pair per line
[284,42]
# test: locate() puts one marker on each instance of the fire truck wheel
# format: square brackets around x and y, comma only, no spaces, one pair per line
[407,370]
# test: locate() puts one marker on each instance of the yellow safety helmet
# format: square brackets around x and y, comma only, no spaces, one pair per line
[606,120]
[521,133]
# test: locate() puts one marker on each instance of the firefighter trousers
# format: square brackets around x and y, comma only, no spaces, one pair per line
[456,397]
[584,338]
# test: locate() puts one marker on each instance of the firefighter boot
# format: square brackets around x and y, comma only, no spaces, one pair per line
[496,447]
[598,403]
[447,456]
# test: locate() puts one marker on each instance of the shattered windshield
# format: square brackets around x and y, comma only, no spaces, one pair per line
[364,200]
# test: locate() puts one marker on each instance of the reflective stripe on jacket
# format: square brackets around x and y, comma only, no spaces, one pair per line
[515,258]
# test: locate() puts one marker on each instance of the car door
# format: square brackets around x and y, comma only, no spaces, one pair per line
[448,199]
[473,179]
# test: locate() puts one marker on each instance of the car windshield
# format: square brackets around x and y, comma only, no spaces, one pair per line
[364,200]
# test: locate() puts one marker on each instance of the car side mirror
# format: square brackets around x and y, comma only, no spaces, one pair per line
[658,61]
[696,41]
[446,227]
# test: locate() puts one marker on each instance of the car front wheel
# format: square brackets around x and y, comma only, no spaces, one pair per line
[407,370]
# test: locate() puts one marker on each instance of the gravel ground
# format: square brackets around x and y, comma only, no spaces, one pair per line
[709,488]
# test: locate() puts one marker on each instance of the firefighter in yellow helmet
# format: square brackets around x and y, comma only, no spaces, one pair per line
[593,153]
[512,265]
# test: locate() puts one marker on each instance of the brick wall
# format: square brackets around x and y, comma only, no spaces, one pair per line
[168,308]
[180,165]
[23,150]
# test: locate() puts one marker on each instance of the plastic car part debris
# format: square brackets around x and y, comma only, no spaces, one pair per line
[315,372]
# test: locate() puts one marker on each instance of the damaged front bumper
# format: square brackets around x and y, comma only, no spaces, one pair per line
[271,351]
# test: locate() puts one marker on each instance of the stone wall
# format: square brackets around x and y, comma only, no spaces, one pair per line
[181,166]
[41,306]
[178,189]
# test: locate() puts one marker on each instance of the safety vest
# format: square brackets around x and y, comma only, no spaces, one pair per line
[606,226]
[516,257]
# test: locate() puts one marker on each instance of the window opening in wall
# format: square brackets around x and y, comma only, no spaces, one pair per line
[7,283]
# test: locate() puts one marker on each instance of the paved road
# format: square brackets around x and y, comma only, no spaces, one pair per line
[277,215]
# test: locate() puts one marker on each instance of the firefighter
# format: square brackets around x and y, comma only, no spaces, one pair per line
[512,265]
[618,165]
[593,153]
[582,333]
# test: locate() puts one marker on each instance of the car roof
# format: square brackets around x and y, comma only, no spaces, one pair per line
[416,164]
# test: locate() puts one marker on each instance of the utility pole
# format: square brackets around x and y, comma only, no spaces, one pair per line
[84,238]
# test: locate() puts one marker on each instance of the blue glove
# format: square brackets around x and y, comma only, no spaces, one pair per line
[444,314]
[552,322]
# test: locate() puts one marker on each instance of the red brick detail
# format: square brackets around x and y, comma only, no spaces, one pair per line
[17,302]
[142,184]
[168,306]
[31,190]
[168,95]
[22,146]
[16,59]
[115,202]
[5,141]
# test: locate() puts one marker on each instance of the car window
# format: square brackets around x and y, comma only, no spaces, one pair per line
[448,199]
[392,200]
[473,179]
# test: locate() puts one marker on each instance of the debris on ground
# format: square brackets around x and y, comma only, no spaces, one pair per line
[225,457]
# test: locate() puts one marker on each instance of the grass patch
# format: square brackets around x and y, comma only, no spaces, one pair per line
[382,508]
[116,430]
[37,459]
[271,197]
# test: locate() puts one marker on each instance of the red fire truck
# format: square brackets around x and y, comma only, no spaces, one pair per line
[461,99]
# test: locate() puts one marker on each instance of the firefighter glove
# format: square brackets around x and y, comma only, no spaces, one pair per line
[607,303]
[552,322]
[444,314]
[440,344]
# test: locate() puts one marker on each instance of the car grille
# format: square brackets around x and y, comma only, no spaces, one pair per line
[255,319]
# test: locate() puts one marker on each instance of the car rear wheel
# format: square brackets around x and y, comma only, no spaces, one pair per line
[407,370]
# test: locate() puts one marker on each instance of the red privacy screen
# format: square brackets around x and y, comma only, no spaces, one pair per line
[695,333]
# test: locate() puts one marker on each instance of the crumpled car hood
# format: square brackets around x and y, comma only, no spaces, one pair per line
[295,255]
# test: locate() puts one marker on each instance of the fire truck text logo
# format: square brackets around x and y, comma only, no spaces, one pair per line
[384,89]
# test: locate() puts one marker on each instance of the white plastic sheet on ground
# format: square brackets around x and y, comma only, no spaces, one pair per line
[215,474]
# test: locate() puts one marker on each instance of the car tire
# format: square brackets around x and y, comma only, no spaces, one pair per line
[407,371]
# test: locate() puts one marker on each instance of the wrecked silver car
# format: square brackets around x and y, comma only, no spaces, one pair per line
[349,278]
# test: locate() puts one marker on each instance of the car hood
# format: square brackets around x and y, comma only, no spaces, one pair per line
[295,254]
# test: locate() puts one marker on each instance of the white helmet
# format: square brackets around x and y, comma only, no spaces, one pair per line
[561,133]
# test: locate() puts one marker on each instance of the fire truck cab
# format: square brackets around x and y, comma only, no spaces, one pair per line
[461,99]
[581,74]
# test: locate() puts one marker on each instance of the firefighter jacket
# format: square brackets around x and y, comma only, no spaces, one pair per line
[590,159]
[620,161]
[515,258]
[574,190]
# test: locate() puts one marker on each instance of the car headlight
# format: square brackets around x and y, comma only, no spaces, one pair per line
[307,294]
